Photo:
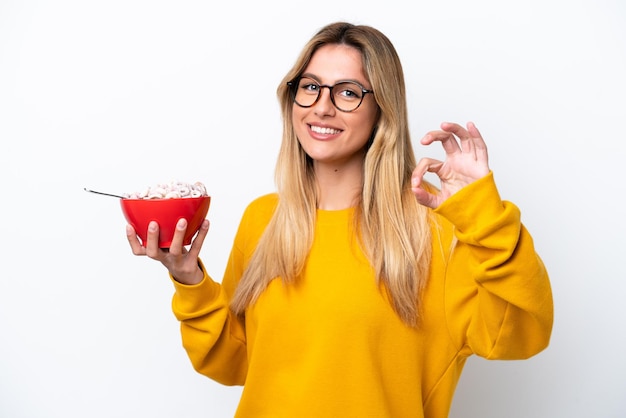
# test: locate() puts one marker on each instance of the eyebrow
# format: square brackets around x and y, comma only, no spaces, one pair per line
[314,77]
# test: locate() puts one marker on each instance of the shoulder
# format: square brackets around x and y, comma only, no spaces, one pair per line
[254,220]
[263,204]
[260,210]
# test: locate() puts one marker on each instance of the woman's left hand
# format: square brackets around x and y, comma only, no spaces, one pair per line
[466,161]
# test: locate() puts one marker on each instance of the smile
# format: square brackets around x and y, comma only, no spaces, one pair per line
[324,131]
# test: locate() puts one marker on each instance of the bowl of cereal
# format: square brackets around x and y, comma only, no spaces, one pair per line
[166,204]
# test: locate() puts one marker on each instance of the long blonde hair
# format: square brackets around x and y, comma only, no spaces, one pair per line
[394,229]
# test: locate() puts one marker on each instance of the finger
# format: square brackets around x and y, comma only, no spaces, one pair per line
[425,165]
[423,193]
[135,245]
[425,198]
[176,247]
[466,139]
[447,139]
[196,245]
[455,129]
[152,240]
[479,142]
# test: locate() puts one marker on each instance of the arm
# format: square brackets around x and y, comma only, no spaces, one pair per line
[498,296]
[212,335]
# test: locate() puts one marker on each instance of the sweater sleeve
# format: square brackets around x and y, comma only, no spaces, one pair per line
[213,337]
[498,296]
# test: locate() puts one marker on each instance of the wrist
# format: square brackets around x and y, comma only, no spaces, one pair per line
[192,278]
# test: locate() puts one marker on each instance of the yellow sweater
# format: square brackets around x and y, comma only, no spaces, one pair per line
[331,345]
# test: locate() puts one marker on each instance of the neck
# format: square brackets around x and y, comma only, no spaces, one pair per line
[339,186]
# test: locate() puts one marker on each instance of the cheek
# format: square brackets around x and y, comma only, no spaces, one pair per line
[375,116]
[368,123]
[297,121]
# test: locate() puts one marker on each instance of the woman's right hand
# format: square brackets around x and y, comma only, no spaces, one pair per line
[180,262]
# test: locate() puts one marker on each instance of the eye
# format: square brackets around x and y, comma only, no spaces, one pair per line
[348,91]
[308,86]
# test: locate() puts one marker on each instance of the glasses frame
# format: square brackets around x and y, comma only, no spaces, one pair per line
[294,90]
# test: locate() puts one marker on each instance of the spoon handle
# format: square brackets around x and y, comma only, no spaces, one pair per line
[102,193]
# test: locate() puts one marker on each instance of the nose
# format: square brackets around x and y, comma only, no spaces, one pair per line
[324,104]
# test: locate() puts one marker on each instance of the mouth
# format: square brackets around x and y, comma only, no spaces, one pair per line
[324,131]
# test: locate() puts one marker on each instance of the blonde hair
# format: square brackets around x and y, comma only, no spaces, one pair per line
[394,230]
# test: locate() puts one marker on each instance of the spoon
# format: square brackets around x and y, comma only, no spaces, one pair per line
[102,193]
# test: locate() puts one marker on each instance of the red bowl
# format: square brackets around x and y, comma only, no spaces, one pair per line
[166,212]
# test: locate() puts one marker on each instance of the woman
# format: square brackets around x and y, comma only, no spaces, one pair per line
[358,289]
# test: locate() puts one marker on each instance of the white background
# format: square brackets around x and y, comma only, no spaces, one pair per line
[118,95]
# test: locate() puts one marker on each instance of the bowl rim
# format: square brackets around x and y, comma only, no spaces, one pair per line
[161,199]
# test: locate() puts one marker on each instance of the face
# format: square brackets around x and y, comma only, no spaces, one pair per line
[329,136]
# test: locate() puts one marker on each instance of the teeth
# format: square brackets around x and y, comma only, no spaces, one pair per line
[326,131]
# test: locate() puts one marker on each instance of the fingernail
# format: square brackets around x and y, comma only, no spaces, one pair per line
[182,223]
[152,226]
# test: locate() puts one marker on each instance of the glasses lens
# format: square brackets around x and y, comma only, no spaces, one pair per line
[347,95]
[307,92]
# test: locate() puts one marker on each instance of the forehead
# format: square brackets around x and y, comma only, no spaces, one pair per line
[336,62]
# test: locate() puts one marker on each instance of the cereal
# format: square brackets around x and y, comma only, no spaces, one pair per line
[171,190]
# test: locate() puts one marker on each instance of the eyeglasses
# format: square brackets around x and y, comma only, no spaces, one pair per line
[347,96]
